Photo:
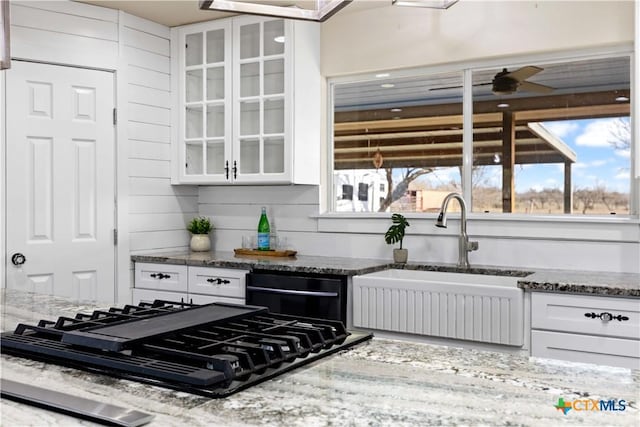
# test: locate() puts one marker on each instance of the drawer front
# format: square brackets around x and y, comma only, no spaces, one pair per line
[586,348]
[162,277]
[566,313]
[149,295]
[208,299]
[222,282]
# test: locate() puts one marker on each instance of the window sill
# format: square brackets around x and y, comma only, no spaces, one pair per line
[505,226]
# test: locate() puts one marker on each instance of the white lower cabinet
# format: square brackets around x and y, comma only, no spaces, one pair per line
[216,284]
[150,295]
[161,277]
[590,329]
[200,285]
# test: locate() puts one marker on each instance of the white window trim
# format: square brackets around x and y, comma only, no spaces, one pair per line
[5,40]
[467,67]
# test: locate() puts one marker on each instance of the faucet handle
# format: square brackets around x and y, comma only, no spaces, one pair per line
[472,246]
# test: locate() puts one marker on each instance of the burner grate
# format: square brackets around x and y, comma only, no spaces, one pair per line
[214,349]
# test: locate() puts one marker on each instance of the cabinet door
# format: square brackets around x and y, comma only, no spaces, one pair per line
[582,314]
[208,299]
[149,295]
[586,348]
[261,100]
[205,100]
[162,277]
[222,282]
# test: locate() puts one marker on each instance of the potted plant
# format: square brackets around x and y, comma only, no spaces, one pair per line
[395,234]
[200,227]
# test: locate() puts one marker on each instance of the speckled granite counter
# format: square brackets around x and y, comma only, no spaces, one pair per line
[299,264]
[380,383]
[591,283]
[583,282]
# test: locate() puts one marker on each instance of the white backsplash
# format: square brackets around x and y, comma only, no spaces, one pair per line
[293,212]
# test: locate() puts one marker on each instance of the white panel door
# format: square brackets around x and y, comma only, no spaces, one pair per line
[60,180]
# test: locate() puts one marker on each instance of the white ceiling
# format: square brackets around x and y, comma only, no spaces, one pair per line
[180,12]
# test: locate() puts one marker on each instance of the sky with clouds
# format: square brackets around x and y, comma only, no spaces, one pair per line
[598,163]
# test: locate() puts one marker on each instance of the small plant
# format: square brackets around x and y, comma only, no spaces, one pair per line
[395,233]
[200,225]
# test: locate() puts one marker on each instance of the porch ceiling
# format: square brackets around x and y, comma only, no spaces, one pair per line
[431,135]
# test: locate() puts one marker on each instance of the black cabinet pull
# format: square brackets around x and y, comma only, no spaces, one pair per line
[235,169]
[606,316]
[226,169]
[218,281]
[160,276]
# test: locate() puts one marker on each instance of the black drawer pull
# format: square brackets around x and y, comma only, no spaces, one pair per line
[218,281]
[160,276]
[606,316]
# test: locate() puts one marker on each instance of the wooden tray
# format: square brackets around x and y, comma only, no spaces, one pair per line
[270,253]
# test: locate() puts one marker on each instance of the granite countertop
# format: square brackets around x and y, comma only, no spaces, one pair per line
[378,383]
[298,264]
[559,281]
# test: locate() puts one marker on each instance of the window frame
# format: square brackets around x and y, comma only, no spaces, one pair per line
[5,27]
[467,68]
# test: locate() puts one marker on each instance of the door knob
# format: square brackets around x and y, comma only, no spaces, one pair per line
[18,259]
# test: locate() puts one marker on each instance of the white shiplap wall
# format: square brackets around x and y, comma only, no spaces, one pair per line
[157,210]
[64,32]
[151,213]
[584,244]
[235,211]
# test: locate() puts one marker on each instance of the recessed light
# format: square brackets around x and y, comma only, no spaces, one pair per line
[396,110]
[382,75]
[622,98]
[503,105]
[387,85]
[396,118]
[279,39]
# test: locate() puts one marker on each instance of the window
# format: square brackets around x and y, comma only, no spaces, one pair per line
[552,138]
[402,134]
[347,192]
[548,137]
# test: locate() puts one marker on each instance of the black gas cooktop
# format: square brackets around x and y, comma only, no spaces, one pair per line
[212,350]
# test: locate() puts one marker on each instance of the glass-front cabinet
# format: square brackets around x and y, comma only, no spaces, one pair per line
[205,101]
[249,102]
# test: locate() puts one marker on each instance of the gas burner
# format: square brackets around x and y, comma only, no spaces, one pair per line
[212,350]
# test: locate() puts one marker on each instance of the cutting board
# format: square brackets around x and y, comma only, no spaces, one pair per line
[271,253]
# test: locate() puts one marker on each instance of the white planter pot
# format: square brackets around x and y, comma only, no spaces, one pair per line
[200,242]
[400,255]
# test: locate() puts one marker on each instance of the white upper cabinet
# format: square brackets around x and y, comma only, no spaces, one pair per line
[248,102]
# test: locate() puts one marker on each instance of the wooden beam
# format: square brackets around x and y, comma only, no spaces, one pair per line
[419,123]
[568,188]
[585,112]
[508,161]
[442,160]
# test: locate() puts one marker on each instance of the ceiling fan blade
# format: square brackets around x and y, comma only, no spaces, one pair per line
[458,87]
[535,87]
[524,72]
[444,88]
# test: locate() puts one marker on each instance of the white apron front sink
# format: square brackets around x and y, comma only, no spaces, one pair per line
[474,307]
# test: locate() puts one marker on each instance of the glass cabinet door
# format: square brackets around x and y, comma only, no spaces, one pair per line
[206,101]
[260,98]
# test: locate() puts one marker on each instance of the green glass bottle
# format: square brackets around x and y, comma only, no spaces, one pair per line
[263,231]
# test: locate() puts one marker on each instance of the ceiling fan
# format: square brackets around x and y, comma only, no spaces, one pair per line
[507,82]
